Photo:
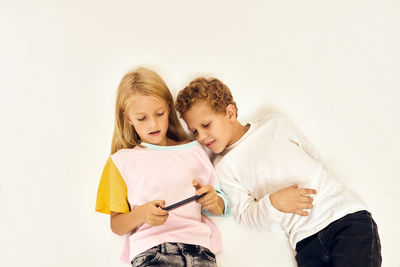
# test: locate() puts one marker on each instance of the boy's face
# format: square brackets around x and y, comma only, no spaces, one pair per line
[211,129]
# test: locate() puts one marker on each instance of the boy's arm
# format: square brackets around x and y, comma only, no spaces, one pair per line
[246,209]
[299,139]
[252,212]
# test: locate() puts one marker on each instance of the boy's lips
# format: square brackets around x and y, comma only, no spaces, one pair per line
[210,143]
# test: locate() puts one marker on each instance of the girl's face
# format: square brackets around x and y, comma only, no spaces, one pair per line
[149,116]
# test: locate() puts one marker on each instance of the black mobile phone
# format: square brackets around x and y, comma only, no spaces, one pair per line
[183,202]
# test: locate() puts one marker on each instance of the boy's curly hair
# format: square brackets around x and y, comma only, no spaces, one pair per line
[211,90]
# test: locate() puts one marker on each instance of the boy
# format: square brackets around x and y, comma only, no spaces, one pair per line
[254,161]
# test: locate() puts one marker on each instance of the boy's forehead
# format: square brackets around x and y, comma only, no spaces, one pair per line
[199,110]
[200,113]
[204,105]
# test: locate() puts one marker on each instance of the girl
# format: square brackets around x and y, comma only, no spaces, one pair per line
[152,164]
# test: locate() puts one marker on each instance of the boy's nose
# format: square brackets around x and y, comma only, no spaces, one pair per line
[202,136]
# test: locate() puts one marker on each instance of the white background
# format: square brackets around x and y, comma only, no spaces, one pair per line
[330,66]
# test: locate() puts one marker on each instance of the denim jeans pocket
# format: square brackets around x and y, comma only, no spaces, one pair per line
[208,255]
[145,258]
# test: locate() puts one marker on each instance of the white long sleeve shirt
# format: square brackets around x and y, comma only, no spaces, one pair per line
[272,155]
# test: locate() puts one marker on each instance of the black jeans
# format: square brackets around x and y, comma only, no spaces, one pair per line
[351,241]
[175,255]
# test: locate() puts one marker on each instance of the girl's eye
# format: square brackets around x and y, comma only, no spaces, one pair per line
[206,125]
[194,132]
[160,114]
[141,119]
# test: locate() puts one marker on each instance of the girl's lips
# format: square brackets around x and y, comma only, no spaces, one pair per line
[155,133]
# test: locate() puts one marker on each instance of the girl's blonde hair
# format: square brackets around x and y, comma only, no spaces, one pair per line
[145,82]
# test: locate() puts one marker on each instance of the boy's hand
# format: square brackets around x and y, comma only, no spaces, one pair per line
[210,201]
[293,200]
[153,214]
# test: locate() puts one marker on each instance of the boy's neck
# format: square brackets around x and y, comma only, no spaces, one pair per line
[238,130]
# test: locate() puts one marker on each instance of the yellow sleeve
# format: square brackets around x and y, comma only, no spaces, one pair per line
[112,191]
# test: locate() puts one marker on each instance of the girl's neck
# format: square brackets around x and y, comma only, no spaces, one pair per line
[170,142]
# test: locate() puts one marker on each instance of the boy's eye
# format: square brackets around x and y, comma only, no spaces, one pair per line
[194,132]
[141,119]
[206,125]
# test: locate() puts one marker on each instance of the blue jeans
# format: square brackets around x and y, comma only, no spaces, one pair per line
[177,255]
[351,241]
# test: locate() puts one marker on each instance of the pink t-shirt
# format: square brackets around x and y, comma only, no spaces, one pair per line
[166,173]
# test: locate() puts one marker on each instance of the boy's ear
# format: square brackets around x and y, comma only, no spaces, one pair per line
[231,112]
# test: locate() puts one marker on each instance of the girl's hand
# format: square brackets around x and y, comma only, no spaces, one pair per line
[210,201]
[293,200]
[152,213]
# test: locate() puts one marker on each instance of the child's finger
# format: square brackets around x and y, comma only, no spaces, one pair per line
[204,189]
[301,212]
[210,202]
[307,191]
[158,204]
[159,212]
[158,220]
[197,185]
[305,206]
[306,199]
[210,196]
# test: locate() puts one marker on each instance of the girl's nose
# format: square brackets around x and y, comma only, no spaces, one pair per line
[152,122]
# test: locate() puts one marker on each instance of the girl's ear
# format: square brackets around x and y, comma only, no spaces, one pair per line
[231,112]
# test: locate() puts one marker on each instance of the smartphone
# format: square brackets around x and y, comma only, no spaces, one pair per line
[183,202]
